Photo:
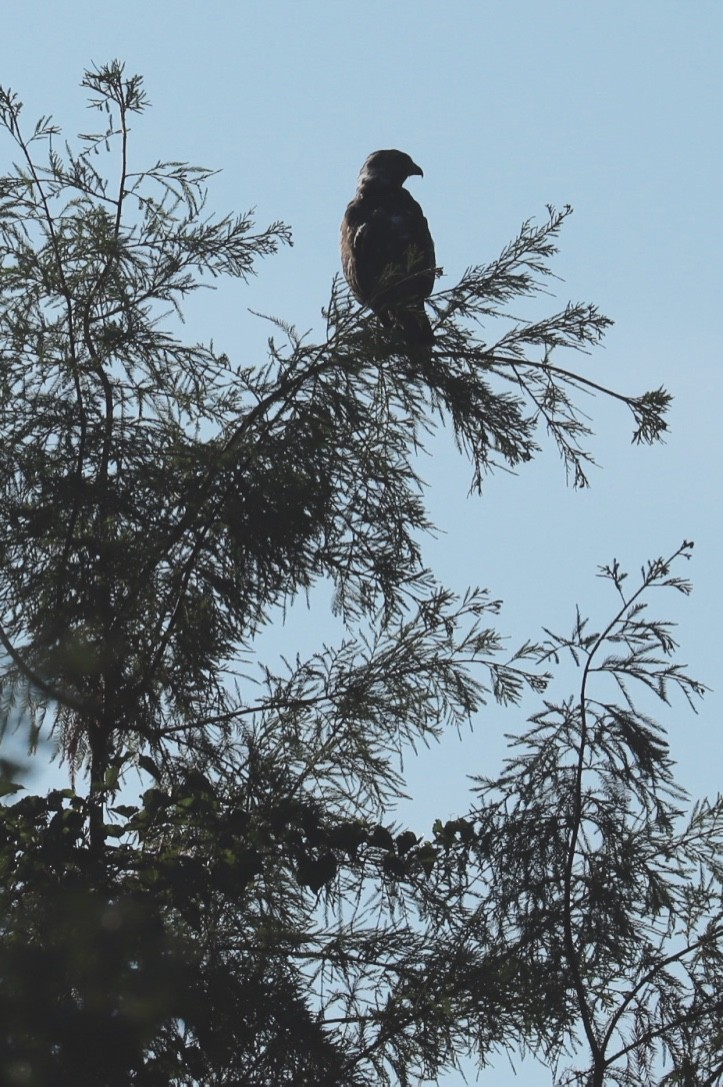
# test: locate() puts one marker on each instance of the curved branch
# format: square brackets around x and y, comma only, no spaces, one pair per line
[68,300]
[35,680]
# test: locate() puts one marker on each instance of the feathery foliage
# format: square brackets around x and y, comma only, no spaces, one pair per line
[255,916]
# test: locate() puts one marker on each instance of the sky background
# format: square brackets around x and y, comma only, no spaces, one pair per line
[614,108]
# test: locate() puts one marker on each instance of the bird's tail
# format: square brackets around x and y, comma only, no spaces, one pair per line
[414,324]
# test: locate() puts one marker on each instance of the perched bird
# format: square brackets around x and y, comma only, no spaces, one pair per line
[387,251]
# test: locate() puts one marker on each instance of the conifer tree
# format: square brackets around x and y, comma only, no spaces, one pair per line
[255,916]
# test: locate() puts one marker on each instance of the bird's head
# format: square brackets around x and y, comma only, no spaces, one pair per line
[388,168]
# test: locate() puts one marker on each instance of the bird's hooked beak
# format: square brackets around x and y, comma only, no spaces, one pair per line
[416,171]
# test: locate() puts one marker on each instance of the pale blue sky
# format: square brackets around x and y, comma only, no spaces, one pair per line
[612,107]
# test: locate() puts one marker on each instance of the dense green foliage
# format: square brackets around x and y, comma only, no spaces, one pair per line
[255,917]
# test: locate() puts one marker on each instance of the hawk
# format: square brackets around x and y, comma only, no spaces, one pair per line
[387,252]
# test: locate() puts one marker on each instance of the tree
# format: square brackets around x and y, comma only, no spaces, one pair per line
[255,916]
[582,876]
